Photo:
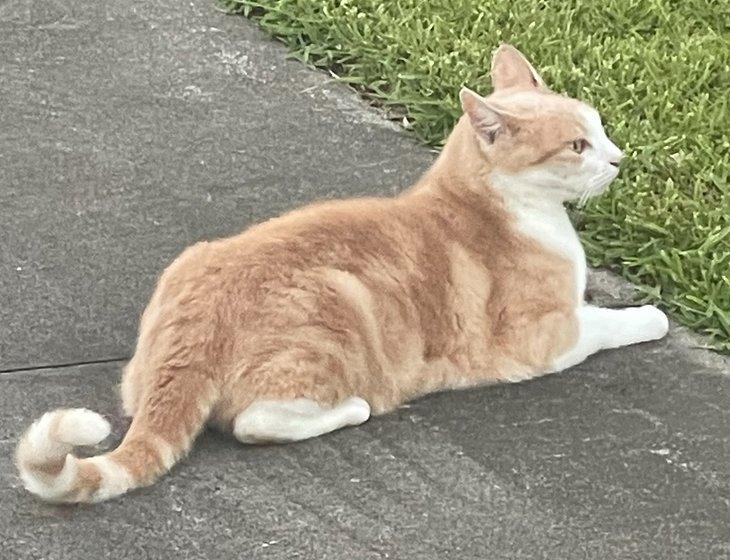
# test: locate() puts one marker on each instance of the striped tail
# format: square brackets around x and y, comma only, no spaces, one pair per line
[162,431]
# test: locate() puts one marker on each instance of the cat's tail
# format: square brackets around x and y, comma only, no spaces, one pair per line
[163,429]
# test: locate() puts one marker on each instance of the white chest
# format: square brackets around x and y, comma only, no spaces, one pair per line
[550,226]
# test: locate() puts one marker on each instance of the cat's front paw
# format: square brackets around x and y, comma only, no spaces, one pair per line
[651,322]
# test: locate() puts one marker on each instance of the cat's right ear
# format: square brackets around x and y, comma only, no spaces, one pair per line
[510,69]
[487,121]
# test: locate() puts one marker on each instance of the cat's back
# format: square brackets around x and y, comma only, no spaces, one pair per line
[343,234]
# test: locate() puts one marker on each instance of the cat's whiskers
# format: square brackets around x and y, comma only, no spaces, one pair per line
[594,187]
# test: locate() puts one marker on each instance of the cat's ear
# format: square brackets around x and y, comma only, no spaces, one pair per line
[510,69]
[487,120]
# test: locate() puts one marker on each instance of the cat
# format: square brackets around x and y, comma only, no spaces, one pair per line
[315,320]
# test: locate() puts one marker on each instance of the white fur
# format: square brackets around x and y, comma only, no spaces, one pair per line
[601,147]
[296,420]
[600,329]
[77,426]
[80,426]
[39,441]
[167,454]
[58,486]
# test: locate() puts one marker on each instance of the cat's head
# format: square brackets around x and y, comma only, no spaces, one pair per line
[537,140]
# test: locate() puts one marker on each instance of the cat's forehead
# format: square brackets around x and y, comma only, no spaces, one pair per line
[591,120]
[534,104]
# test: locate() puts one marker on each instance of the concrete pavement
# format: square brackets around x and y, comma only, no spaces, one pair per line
[130,129]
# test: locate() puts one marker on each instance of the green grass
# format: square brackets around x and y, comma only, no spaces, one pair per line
[657,70]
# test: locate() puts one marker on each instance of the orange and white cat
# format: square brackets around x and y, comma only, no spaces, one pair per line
[312,321]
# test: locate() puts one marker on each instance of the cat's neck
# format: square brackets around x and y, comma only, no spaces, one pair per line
[460,162]
[546,221]
[464,171]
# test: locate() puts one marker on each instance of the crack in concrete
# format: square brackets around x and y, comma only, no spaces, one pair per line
[63,365]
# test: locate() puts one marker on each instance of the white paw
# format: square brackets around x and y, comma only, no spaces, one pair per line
[651,323]
[358,410]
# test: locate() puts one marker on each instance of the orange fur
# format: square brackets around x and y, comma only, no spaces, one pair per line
[383,298]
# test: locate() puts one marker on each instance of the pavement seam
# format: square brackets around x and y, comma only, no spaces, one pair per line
[63,365]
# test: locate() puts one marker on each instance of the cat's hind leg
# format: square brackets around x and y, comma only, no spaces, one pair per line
[281,421]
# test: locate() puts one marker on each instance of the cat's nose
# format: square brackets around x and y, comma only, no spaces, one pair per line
[616,158]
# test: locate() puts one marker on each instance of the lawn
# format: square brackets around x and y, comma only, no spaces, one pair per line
[657,70]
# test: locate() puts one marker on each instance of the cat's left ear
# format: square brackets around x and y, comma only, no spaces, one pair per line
[487,120]
[510,69]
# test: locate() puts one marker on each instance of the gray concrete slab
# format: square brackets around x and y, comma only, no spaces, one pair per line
[622,457]
[130,129]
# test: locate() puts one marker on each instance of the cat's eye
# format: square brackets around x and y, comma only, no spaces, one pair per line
[579,145]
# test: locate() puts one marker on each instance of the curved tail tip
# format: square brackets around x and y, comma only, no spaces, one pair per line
[80,426]
[46,467]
